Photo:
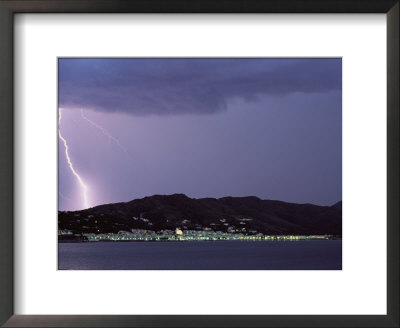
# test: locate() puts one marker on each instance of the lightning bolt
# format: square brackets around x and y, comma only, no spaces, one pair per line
[81,183]
[105,132]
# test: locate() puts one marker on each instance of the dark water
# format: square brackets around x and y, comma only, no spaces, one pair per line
[205,255]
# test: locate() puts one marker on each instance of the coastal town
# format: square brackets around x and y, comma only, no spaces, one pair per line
[181,235]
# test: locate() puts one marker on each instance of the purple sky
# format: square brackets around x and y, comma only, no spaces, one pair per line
[271,128]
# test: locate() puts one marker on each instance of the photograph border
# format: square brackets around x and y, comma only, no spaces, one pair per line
[10,7]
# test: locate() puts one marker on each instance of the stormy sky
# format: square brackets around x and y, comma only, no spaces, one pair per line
[204,127]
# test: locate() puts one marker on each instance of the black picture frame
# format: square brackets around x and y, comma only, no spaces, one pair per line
[10,7]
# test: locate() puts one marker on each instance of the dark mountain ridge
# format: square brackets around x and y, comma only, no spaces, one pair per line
[230,214]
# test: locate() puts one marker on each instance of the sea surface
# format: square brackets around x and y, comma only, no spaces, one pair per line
[203,255]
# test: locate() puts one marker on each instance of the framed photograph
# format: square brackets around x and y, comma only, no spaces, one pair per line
[199,164]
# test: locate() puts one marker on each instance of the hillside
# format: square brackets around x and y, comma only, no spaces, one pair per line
[228,214]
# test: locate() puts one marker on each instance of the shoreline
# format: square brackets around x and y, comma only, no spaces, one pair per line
[192,240]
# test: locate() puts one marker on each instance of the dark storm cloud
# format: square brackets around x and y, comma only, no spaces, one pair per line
[198,86]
